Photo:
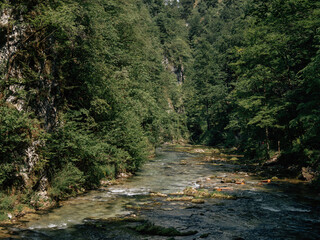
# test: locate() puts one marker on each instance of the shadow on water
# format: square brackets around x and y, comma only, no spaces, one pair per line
[275,210]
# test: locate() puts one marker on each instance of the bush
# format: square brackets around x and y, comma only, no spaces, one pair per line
[109,171]
[7,204]
[16,130]
[66,182]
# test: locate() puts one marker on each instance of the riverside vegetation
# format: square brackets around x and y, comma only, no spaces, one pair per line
[89,88]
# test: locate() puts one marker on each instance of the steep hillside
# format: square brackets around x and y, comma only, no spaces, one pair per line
[84,95]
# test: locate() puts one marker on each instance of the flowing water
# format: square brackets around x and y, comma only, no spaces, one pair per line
[261,210]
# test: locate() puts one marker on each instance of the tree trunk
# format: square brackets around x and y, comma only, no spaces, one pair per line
[267,142]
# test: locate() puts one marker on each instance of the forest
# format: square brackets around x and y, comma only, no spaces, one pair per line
[88,89]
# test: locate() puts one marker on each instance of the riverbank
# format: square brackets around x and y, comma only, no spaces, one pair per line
[275,168]
[16,204]
[28,213]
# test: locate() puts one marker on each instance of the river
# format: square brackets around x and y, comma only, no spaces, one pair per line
[257,209]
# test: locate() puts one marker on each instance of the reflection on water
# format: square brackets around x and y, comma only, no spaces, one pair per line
[259,212]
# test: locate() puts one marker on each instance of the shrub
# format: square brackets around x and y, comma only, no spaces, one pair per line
[66,182]
[15,136]
[7,204]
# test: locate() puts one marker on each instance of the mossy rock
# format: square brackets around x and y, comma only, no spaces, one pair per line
[228,180]
[157,194]
[133,207]
[197,193]
[198,201]
[190,191]
[176,194]
[184,198]
[215,150]
[203,193]
[221,195]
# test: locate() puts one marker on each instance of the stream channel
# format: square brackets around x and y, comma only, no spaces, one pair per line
[257,209]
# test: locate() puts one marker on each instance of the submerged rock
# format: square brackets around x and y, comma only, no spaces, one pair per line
[151,229]
[205,235]
[183,162]
[137,207]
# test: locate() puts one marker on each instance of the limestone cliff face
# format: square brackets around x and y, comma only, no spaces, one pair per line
[39,89]
[177,70]
[12,32]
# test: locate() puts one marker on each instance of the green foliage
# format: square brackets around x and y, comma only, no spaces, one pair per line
[16,132]
[109,171]
[253,81]
[7,204]
[279,42]
[66,182]
[92,73]
[102,83]
[214,30]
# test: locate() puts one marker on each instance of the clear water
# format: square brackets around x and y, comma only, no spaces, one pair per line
[261,211]
[164,174]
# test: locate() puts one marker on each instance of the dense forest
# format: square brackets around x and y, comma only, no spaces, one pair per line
[88,89]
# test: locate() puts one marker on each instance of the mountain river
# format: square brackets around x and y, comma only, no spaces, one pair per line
[245,206]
